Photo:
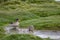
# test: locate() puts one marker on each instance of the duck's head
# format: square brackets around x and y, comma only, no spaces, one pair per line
[17,19]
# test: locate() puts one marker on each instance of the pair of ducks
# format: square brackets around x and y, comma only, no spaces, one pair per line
[15,25]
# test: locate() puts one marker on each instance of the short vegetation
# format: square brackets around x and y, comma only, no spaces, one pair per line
[21,37]
[43,14]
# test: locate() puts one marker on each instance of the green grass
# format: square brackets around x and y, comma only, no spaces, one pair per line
[26,18]
[42,23]
[22,37]
[42,15]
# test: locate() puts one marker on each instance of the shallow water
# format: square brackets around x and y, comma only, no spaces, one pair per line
[48,34]
[40,33]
